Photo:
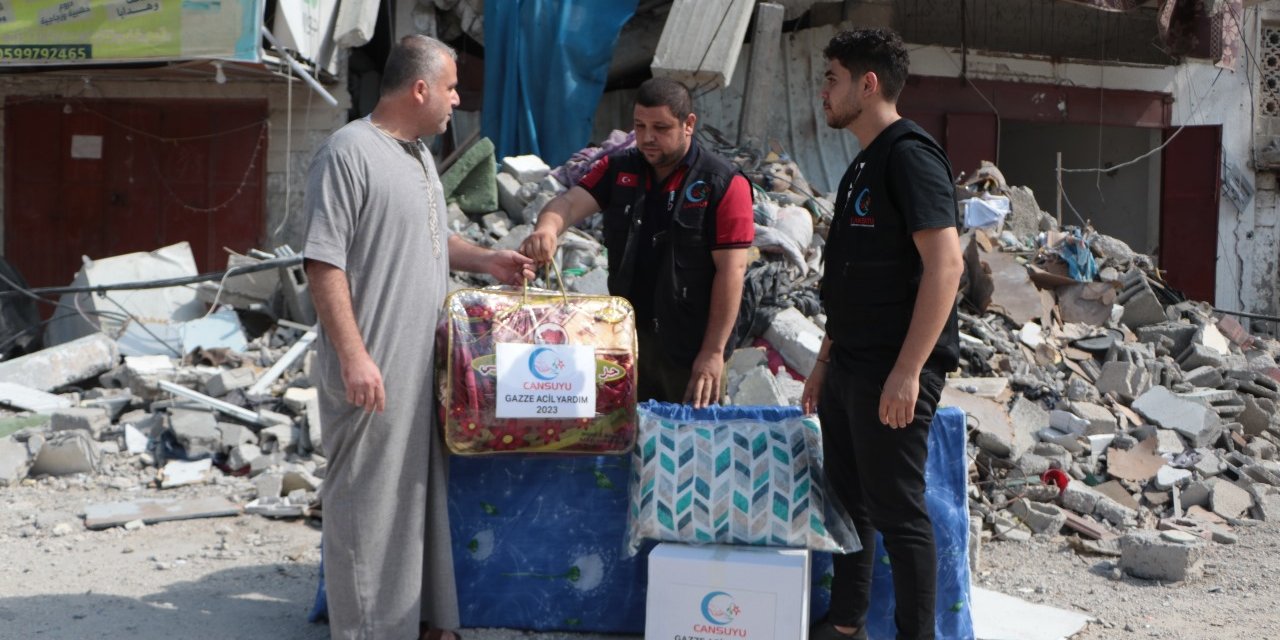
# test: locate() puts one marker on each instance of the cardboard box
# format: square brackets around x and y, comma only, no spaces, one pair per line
[719,592]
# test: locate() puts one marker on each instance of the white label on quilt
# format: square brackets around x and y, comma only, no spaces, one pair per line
[546,381]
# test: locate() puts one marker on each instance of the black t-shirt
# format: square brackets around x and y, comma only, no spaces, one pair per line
[918,182]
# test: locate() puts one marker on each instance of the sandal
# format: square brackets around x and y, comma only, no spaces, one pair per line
[826,631]
[427,633]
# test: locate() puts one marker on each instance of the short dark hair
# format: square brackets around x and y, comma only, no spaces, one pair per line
[415,57]
[878,50]
[665,92]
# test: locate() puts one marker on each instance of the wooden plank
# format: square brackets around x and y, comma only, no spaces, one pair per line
[1087,527]
[114,514]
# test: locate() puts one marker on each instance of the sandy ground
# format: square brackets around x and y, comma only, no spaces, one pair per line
[251,577]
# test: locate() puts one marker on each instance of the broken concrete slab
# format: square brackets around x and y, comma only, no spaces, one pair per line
[526,168]
[1259,415]
[1198,355]
[242,456]
[996,389]
[996,615]
[1014,296]
[90,420]
[797,338]
[1138,464]
[1068,422]
[114,514]
[1101,419]
[996,434]
[1125,379]
[1168,477]
[1027,416]
[1170,556]
[25,398]
[297,398]
[66,453]
[1194,421]
[1229,500]
[275,507]
[1086,302]
[281,437]
[1141,307]
[231,435]
[509,197]
[58,366]
[1206,376]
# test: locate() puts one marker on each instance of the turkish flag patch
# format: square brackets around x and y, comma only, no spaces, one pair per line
[628,179]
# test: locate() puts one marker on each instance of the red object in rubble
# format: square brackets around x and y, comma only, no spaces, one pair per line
[1057,477]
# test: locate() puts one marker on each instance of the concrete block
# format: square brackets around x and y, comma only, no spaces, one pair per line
[1115,513]
[180,473]
[67,453]
[58,366]
[242,456]
[264,463]
[24,398]
[1081,498]
[797,338]
[1101,419]
[509,196]
[1209,464]
[1041,518]
[1180,334]
[1195,422]
[1259,415]
[1007,528]
[1032,464]
[701,41]
[740,363]
[91,420]
[196,432]
[1228,500]
[529,214]
[1205,376]
[229,380]
[295,477]
[528,168]
[1168,556]
[1125,379]
[1197,494]
[1260,450]
[759,388]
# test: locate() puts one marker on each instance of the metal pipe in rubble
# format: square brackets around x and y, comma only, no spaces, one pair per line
[275,263]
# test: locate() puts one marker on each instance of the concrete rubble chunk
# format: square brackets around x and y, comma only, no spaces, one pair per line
[1168,441]
[1180,334]
[242,456]
[1045,519]
[1028,417]
[1198,355]
[178,473]
[1259,415]
[527,168]
[996,434]
[1196,422]
[196,432]
[280,437]
[58,366]
[509,196]
[90,420]
[1068,422]
[1229,500]
[1101,419]
[1206,376]
[1141,307]
[797,338]
[269,485]
[297,398]
[229,380]
[67,453]
[497,223]
[740,363]
[593,282]
[1153,555]
[1006,527]
[1125,379]
[231,435]
[16,459]
[759,388]
[1168,477]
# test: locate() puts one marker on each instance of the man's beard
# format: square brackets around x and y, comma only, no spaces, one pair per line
[842,120]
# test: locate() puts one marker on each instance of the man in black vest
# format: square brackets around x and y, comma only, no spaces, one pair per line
[893,266]
[677,224]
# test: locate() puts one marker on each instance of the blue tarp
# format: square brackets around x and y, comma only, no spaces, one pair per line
[545,66]
[538,543]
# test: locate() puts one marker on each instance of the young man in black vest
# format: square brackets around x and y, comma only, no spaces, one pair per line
[893,266]
[677,224]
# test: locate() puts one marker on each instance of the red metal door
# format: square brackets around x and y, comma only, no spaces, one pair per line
[100,178]
[971,138]
[1190,184]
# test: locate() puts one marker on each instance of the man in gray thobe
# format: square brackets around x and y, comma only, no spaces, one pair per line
[378,255]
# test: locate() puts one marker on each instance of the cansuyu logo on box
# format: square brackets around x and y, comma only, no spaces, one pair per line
[719,608]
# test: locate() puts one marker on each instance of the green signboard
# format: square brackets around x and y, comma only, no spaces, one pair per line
[56,32]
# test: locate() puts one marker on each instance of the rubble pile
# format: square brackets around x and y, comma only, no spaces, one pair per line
[1100,402]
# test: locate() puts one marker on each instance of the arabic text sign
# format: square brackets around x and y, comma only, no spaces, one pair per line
[546,381]
[89,31]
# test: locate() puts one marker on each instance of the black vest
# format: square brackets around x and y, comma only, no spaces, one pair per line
[873,269]
[684,268]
